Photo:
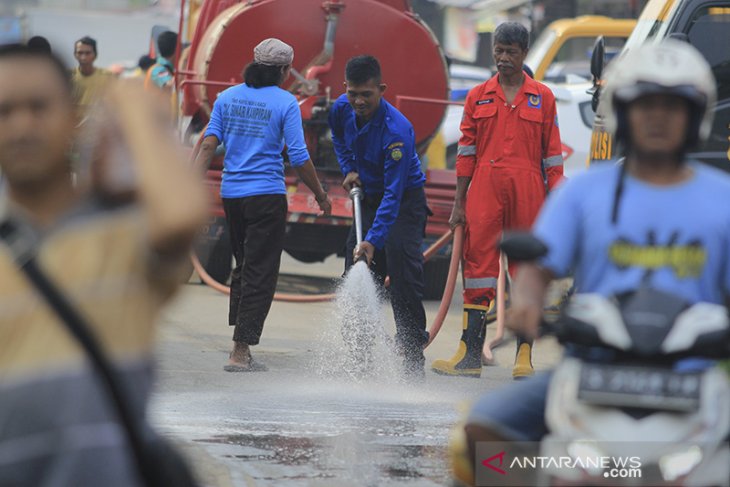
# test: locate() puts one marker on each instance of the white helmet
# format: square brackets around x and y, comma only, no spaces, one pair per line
[670,67]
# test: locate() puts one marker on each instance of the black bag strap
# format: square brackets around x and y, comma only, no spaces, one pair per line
[23,248]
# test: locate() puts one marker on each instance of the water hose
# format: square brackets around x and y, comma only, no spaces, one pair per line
[319,298]
[450,282]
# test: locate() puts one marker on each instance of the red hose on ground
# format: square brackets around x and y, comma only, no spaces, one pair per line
[293,298]
[450,284]
[319,298]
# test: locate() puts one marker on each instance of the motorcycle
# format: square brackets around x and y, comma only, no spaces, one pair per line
[639,388]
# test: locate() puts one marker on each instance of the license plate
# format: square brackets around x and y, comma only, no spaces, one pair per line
[639,387]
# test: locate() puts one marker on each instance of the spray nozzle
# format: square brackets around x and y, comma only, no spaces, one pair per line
[356,193]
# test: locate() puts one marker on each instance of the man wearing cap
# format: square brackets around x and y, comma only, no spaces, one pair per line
[254,120]
[375,146]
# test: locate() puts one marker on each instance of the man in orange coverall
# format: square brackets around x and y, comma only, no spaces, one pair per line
[510,142]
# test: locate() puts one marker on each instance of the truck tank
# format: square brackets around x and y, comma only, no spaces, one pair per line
[324,35]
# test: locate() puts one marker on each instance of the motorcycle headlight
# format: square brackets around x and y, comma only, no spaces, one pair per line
[678,464]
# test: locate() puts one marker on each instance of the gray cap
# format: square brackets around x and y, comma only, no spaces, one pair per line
[273,52]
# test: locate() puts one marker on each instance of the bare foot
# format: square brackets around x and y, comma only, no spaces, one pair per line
[240,360]
[241,354]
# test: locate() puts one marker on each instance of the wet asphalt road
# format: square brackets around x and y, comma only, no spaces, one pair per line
[304,422]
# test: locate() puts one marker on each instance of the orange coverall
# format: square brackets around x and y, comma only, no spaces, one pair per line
[503,148]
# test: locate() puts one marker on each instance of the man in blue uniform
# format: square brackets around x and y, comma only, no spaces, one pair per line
[375,146]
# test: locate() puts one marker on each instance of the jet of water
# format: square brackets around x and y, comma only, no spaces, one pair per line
[355,341]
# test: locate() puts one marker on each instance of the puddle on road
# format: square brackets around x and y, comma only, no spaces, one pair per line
[345,419]
[350,459]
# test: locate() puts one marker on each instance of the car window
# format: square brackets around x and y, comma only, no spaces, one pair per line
[539,48]
[652,22]
[709,32]
[574,57]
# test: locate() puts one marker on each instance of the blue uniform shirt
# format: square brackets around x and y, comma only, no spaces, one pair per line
[383,153]
[254,124]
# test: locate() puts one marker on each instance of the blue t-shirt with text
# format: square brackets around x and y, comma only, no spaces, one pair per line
[254,124]
[677,237]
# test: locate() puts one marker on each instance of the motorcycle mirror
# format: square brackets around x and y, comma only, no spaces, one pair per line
[598,59]
[522,247]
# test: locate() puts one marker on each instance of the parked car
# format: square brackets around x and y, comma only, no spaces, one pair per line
[706,25]
[562,52]
[575,117]
[462,79]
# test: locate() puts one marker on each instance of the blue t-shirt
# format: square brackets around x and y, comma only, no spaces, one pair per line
[677,236]
[383,153]
[253,124]
[161,72]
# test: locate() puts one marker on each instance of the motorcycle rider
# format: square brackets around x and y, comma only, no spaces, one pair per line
[659,219]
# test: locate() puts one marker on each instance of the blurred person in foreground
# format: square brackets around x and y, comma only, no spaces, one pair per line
[659,220]
[89,80]
[254,120]
[115,245]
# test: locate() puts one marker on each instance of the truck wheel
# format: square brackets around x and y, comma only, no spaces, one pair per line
[219,264]
[451,152]
[435,272]
[214,250]
[306,256]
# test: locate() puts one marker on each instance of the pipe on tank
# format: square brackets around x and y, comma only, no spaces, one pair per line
[325,57]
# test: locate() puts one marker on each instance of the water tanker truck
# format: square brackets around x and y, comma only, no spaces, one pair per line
[324,34]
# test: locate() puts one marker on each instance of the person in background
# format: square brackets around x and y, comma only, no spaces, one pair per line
[89,80]
[254,121]
[161,74]
[144,63]
[39,43]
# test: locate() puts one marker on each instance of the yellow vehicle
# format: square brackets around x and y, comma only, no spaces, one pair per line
[706,25]
[562,53]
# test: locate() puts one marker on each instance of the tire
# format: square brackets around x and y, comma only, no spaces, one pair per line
[435,272]
[306,256]
[451,152]
[214,250]
[219,265]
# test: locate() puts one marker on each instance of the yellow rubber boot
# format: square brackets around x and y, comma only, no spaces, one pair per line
[523,360]
[467,362]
